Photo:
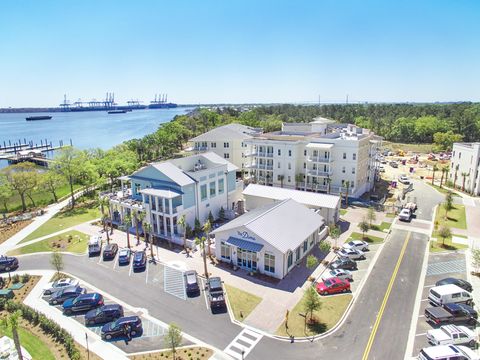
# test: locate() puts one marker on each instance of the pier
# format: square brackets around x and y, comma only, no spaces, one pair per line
[19,151]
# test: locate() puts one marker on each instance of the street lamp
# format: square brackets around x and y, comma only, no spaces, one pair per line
[88,351]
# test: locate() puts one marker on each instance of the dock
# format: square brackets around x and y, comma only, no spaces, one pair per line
[17,152]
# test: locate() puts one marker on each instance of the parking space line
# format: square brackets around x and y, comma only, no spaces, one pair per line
[424,300]
[131,268]
[146,271]
[205,294]
[115,261]
[421,316]
[422,334]
[429,286]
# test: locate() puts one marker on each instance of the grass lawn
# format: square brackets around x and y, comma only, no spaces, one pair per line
[343,211]
[437,246]
[241,301]
[442,190]
[64,220]
[418,148]
[383,226]
[37,348]
[390,215]
[77,244]
[329,314]
[188,353]
[368,238]
[456,217]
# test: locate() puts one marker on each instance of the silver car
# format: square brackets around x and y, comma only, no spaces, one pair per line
[352,254]
[338,273]
[58,285]
[356,244]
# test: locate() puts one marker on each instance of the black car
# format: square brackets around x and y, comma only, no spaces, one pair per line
[191,282]
[104,314]
[82,303]
[139,260]
[343,263]
[8,263]
[119,327]
[110,251]
[71,292]
[465,285]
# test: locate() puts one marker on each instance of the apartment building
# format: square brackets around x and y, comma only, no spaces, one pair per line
[464,167]
[228,142]
[319,156]
[192,186]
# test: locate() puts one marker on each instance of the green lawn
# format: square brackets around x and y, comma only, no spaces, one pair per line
[368,238]
[456,217]
[343,211]
[241,301]
[70,241]
[36,348]
[442,190]
[64,220]
[418,148]
[437,246]
[390,215]
[383,226]
[328,316]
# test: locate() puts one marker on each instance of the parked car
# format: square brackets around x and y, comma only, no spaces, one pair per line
[394,164]
[356,244]
[381,169]
[215,293]
[95,245]
[71,292]
[451,335]
[139,260]
[343,263]
[405,215]
[110,251]
[404,179]
[8,263]
[124,256]
[191,282]
[116,328]
[337,273]
[450,293]
[411,206]
[352,254]
[333,286]
[59,284]
[447,352]
[465,285]
[104,314]
[451,313]
[82,303]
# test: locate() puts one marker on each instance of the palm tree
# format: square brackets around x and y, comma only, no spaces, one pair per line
[182,223]
[128,222]
[207,227]
[104,202]
[148,231]
[201,242]
[138,218]
[435,168]
[298,180]
[347,186]
[329,182]
[455,178]
[464,175]
[11,321]
[104,221]
[444,170]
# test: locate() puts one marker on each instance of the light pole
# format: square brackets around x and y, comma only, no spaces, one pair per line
[226,186]
[88,351]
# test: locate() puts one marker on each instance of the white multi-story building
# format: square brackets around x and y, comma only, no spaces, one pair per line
[464,167]
[319,156]
[228,142]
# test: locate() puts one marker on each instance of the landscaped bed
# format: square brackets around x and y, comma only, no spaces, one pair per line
[455,218]
[328,316]
[187,353]
[368,238]
[7,231]
[70,241]
[383,226]
[241,302]
[438,246]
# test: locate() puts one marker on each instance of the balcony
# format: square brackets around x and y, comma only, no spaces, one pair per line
[319,159]
[200,148]
[265,154]
[319,173]
[262,166]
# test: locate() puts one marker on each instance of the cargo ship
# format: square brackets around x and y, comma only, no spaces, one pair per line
[40,117]
[117,111]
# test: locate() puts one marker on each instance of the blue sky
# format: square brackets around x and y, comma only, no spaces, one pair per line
[239,51]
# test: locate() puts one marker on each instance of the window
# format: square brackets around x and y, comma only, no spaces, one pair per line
[213,145]
[289,166]
[353,170]
[226,156]
[226,145]
[459,155]
[352,184]
[289,179]
[221,186]
[305,246]
[279,177]
[269,263]
[289,152]
[279,152]
[138,187]
[224,251]
[304,165]
[289,260]
[344,156]
[343,169]
[213,189]
[297,254]
[305,152]
[279,164]
[354,156]
[203,192]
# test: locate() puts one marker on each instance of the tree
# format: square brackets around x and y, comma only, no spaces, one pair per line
[324,246]
[207,227]
[329,184]
[312,261]
[435,168]
[104,203]
[35,180]
[127,219]
[448,204]
[444,232]
[201,242]
[298,180]
[69,163]
[197,227]
[444,140]
[182,222]
[138,219]
[221,213]
[210,217]
[464,176]
[282,177]
[57,261]
[5,192]
[148,231]
[444,170]
[364,227]
[173,338]
[334,233]
[51,181]
[312,303]
[22,178]
[476,259]
[347,186]
[11,321]
[371,215]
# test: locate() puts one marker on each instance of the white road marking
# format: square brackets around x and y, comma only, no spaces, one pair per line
[131,268]
[205,294]
[146,272]
[424,300]
[115,261]
[240,351]
[429,286]
[422,334]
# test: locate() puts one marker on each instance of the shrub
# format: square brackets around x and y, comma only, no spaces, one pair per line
[16,278]
[25,278]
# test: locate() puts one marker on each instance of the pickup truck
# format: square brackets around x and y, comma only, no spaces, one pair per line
[216,297]
[451,335]
[451,313]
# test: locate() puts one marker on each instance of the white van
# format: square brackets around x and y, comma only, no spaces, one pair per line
[95,245]
[450,293]
[447,352]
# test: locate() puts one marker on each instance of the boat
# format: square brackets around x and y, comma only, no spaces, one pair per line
[117,111]
[41,117]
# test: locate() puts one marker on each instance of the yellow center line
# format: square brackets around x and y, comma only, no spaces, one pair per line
[385,299]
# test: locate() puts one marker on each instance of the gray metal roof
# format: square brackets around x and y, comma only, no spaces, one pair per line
[217,159]
[284,225]
[227,132]
[174,173]
[167,194]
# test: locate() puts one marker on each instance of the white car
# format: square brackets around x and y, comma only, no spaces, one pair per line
[405,215]
[352,254]
[442,352]
[404,180]
[451,335]
[337,273]
[59,284]
[356,244]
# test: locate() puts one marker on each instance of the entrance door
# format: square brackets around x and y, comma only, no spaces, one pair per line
[246,259]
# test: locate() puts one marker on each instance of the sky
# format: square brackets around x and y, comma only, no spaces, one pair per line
[239,51]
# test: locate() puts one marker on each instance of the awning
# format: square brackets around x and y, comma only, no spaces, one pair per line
[244,244]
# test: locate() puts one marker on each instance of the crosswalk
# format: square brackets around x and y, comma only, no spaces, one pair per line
[174,282]
[446,267]
[241,346]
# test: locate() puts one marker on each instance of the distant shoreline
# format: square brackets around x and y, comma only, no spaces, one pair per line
[57,109]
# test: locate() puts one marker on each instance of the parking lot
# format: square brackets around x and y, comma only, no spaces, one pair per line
[440,266]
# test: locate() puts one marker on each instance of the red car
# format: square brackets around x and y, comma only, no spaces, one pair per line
[333,286]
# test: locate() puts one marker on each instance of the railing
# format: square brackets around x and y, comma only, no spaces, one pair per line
[200,148]
[320,159]
[320,173]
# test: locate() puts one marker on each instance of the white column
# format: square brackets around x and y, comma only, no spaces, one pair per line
[170,205]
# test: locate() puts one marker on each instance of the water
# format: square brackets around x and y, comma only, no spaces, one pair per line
[89,129]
